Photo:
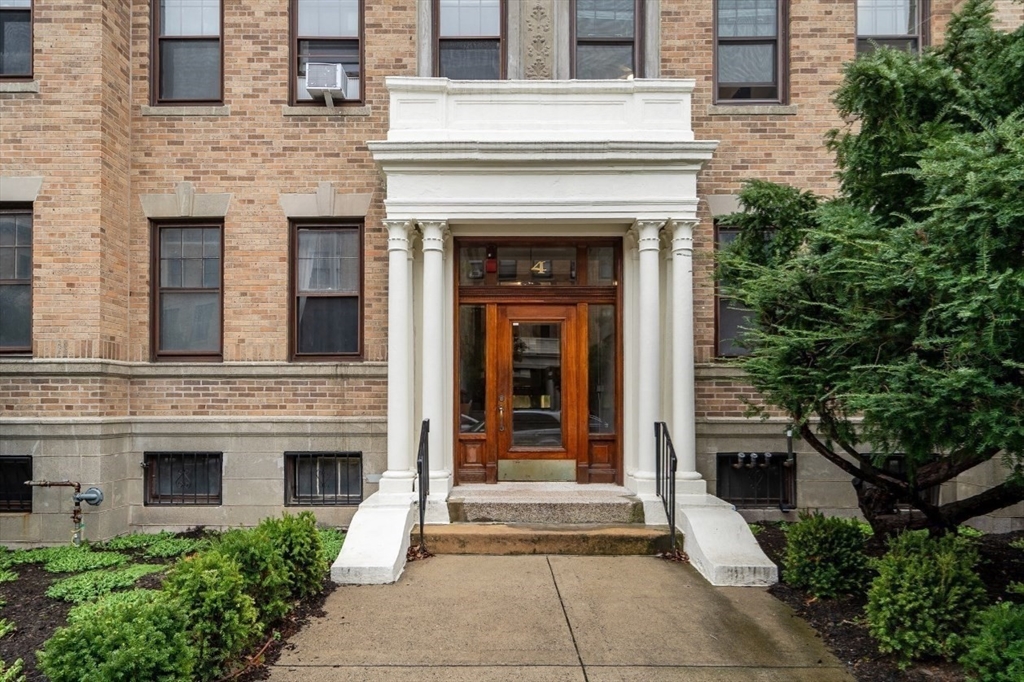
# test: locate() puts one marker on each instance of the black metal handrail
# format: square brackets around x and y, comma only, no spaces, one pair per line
[665,466]
[423,476]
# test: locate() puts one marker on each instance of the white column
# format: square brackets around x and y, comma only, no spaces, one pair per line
[433,234]
[649,380]
[399,476]
[684,432]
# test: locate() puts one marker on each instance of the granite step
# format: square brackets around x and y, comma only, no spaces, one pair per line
[544,503]
[582,539]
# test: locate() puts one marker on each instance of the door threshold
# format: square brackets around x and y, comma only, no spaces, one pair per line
[538,470]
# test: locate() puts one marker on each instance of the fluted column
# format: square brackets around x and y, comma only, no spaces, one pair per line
[433,234]
[684,434]
[399,476]
[649,397]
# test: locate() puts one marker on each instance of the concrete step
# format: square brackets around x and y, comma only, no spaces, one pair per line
[525,538]
[544,503]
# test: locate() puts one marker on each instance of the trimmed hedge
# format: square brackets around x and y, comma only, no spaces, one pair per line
[825,555]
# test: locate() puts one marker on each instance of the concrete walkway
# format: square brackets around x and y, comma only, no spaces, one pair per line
[548,618]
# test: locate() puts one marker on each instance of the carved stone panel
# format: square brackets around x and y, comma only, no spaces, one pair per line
[538,39]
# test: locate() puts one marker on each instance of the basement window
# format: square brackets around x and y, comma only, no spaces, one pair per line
[753,480]
[183,478]
[15,496]
[323,478]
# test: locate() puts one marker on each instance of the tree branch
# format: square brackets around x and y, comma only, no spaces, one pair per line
[949,467]
[993,499]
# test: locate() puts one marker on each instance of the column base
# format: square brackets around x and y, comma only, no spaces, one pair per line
[396,482]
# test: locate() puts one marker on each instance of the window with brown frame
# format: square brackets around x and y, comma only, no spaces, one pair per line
[323,478]
[15,280]
[327,285]
[183,478]
[732,318]
[899,24]
[188,296]
[188,52]
[327,32]
[469,37]
[15,39]
[15,496]
[606,39]
[750,51]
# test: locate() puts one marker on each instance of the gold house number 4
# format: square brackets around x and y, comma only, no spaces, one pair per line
[540,267]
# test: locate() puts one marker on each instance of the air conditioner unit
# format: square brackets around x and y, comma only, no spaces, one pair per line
[327,79]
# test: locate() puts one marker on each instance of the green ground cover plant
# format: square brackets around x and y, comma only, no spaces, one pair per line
[136,540]
[925,597]
[332,539]
[85,586]
[825,555]
[171,547]
[13,673]
[6,627]
[7,575]
[71,559]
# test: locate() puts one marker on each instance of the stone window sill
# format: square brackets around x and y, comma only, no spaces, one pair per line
[24,87]
[752,110]
[339,111]
[187,111]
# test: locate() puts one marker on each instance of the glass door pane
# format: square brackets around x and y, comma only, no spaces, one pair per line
[472,368]
[537,384]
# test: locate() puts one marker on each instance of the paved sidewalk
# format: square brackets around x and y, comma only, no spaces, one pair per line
[555,618]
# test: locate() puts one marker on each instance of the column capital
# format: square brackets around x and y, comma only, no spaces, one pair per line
[682,236]
[434,234]
[648,234]
[398,234]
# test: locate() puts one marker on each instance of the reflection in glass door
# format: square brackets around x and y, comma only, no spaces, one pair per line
[536,384]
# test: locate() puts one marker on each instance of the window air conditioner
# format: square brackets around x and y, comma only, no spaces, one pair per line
[330,80]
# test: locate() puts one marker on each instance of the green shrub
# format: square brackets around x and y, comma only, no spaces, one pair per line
[825,555]
[170,547]
[12,674]
[135,540]
[142,638]
[85,586]
[97,607]
[925,596]
[299,542]
[996,652]
[264,572]
[71,559]
[332,539]
[221,617]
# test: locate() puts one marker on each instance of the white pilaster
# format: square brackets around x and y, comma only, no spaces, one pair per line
[399,476]
[649,398]
[434,233]
[684,434]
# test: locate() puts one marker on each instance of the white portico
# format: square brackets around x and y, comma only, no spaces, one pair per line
[585,162]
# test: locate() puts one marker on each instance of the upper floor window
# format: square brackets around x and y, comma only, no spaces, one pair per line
[188,296]
[890,23]
[327,32]
[189,51]
[15,280]
[469,39]
[327,290]
[15,38]
[606,39]
[732,318]
[750,50]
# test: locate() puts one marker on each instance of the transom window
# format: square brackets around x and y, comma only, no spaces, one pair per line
[606,43]
[323,478]
[15,280]
[183,478]
[327,32]
[327,287]
[889,23]
[749,50]
[188,51]
[15,38]
[469,39]
[188,292]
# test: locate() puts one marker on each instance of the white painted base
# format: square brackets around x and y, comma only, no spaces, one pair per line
[720,544]
[437,510]
[654,510]
[377,541]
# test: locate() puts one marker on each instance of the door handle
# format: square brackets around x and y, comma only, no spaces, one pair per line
[501,417]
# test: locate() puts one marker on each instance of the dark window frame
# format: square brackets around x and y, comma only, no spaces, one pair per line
[781,42]
[156,97]
[20,209]
[750,462]
[922,37]
[16,77]
[24,503]
[156,290]
[294,54]
[502,38]
[151,496]
[721,299]
[295,226]
[292,498]
[639,22]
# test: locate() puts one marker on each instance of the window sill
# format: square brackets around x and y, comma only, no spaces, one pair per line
[186,111]
[19,87]
[752,110]
[339,111]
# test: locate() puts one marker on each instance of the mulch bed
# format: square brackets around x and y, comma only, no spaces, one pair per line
[840,622]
